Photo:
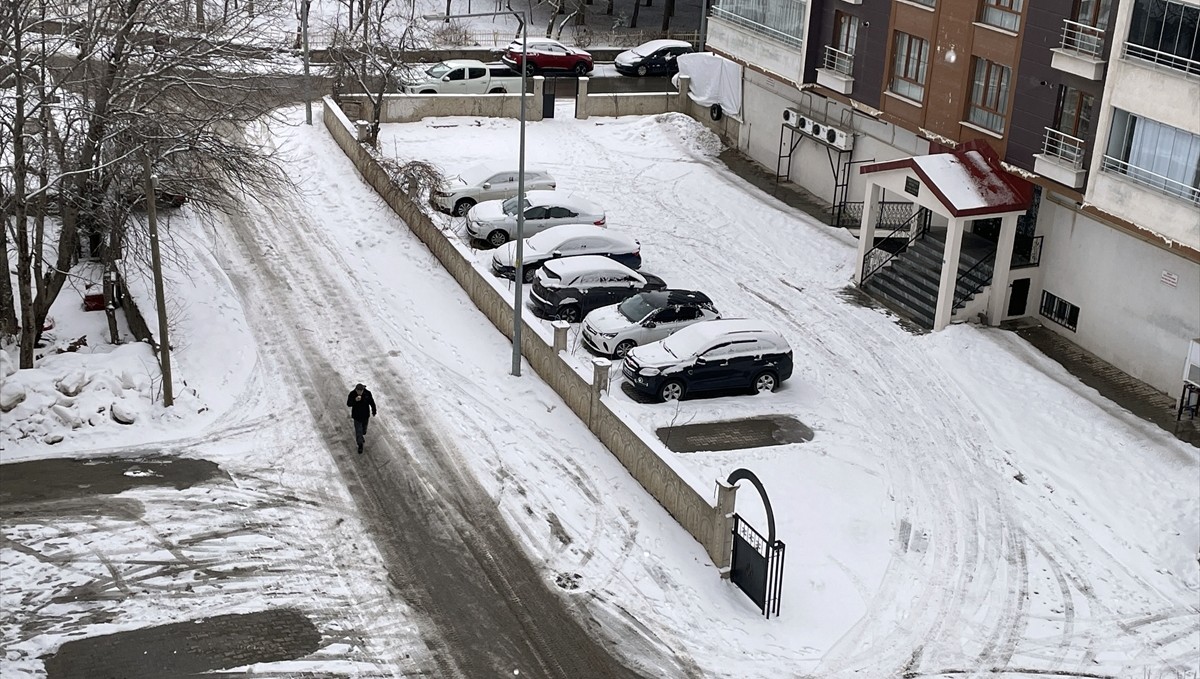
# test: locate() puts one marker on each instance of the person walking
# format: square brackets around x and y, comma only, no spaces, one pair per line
[362,407]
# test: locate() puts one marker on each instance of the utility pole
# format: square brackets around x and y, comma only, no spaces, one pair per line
[307,85]
[160,299]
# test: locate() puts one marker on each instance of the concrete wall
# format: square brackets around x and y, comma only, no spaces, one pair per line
[407,108]
[751,47]
[1128,315]
[651,464]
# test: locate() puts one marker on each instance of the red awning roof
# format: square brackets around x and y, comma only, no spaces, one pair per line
[969,182]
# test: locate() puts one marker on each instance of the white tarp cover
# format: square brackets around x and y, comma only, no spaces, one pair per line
[715,80]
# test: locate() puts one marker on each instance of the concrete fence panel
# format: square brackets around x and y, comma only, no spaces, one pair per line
[710,524]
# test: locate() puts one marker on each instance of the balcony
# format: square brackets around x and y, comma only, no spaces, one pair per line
[1080,51]
[1061,159]
[782,20]
[1157,57]
[837,70]
[1152,180]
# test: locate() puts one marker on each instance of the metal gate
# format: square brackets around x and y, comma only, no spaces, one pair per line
[757,563]
[555,87]
[757,566]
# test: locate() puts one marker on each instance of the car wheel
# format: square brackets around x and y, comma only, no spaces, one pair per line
[671,390]
[497,238]
[531,69]
[623,348]
[642,70]
[497,90]
[427,92]
[569,313]
[462,207]
[529,273]
[581,68]
[766,381]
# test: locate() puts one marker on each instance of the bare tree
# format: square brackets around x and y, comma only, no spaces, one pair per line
[143,84]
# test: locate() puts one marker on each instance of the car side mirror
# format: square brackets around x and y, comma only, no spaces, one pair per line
[556,253]
[487,185]
[649,324]
[700,360]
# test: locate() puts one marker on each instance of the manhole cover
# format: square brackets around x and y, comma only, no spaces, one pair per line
[755,432]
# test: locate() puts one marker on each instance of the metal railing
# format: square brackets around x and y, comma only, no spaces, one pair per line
[1178,63]
[891,214]
[782,20]
[1027,252]
[838,61]
[1064,147]
[1152,180]
[1082,39]
[980,274]
[878,256]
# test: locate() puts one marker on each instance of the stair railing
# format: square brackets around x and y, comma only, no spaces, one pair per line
[878,257]
[960,299]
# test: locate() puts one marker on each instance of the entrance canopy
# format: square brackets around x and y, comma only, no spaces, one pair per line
[968,182]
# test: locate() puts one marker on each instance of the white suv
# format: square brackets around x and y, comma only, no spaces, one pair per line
[644,318]
[486,182]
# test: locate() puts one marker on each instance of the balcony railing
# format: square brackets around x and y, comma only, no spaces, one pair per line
[1152,180]
[1082,39]
[838,61]
[1189,66]
[1064,147]
[782,20]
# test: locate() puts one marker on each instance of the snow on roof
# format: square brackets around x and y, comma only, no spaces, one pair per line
[969,181]
[570,267]
[648,48]
[557,234]
[695,337]
[559,198]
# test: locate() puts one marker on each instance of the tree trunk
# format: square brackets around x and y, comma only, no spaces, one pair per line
[200,18]
[668,12]
[20,170]
[637,7]
[608,8]
[8,307]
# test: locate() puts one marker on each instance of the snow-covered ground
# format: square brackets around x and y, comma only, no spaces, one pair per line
[966,505]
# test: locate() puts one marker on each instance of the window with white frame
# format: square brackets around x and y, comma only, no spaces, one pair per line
[1154,155]
[910,62]
[1004,14]
[989,95]
[1166,33]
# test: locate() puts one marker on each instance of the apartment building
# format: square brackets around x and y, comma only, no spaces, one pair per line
[1092,105]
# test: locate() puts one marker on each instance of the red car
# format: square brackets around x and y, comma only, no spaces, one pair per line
[548,55]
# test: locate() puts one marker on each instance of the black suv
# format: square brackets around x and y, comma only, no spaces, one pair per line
[710,356]
[567,289]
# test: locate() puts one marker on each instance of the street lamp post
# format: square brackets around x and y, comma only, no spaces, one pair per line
[520,254]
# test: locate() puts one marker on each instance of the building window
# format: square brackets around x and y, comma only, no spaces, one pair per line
[782,20]
[1060,311]
[1166,33]
[1093,13]
[1074,112]
[845,32]
[927,3]
[1004,14]
[1154,155]
[989,95]
[910,61]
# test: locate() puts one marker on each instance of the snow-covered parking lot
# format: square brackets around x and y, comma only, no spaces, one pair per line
[965,504]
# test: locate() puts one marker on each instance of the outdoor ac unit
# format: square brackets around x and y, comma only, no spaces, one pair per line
[1191,368]
[816,130]
[804,124]
[791,116]
[839,139]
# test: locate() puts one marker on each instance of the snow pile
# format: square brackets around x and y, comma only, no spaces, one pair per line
[75,391]
[683,130]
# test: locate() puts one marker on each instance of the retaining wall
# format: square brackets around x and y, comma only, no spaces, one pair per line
[651,465]
[407,108]
[613,104]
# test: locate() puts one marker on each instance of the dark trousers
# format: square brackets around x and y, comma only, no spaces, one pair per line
[360,431]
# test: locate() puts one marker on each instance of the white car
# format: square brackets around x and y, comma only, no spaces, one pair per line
[644,318]
[486,182]
[567,240]
[495,221]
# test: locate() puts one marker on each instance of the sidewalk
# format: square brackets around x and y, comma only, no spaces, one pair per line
[1139,398]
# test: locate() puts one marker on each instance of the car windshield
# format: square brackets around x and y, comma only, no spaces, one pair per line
[640,306]
[644,50]
[685,343]
[437,71]
[510,205]
[475,176]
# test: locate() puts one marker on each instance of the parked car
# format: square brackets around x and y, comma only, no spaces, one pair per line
[465,76]
[545,54]
[567,289]
[489,181]
[567,240]
[644,318]
[656,57]
[496,220]
[709,356]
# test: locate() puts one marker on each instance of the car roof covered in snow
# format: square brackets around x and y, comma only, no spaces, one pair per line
[552,198]
[697,337]
[570,268]
[556,235]
[648,48]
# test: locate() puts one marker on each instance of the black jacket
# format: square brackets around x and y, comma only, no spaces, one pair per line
[362,409]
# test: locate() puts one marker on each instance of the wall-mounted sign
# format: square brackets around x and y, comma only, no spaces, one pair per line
[912,186]
[1169,278]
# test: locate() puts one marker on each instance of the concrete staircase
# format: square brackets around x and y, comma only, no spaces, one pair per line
[908,284]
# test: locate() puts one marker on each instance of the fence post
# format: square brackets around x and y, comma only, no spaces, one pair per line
[560,335]
[534,112]
[581,99]
[721,547]
[685,84]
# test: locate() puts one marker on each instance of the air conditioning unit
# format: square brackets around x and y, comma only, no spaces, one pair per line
[817,130]
[838,139]
[791,116]
[804,124]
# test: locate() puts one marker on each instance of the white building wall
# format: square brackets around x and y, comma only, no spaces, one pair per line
[1128,315]
[755,48]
